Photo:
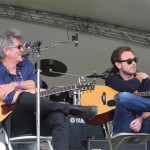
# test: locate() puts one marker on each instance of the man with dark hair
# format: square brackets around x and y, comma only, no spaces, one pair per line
[132,113]
[18,87]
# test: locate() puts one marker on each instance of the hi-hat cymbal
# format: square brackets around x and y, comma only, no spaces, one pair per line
[95,76]
[49,66]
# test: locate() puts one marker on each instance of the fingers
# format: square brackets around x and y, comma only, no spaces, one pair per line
[142,75]
[2,93]
[136,125]
[136,128]
[5,90]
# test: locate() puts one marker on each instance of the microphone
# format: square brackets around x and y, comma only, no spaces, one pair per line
[76,39]
[27,45]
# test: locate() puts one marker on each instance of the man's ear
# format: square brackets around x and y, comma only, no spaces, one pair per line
[118,65]
[5,51]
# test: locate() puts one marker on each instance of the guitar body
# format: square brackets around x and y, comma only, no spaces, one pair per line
[3,116]
[100,96]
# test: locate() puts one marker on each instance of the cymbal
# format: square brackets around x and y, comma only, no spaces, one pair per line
[94,76]
[49,66]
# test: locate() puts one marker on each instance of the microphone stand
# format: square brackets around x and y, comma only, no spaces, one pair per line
[36,47]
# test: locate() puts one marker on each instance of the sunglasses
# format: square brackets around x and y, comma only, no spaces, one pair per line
[18,46]
[129,61]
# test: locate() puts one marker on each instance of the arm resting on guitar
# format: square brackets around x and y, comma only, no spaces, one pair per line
[117,83]
[28,84]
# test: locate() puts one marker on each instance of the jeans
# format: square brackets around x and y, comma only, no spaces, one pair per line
[127,104]
[52,117]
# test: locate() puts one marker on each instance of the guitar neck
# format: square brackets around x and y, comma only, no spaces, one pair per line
[57,90]
[143,94]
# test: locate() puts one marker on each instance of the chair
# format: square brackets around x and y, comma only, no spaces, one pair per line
[130,138]
[45,141]
[115,141]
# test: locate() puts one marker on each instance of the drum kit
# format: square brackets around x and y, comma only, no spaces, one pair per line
[55,68]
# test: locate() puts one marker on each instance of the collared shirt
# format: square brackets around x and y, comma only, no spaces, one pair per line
[25,71]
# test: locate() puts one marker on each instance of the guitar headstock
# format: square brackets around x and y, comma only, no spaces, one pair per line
[85,86]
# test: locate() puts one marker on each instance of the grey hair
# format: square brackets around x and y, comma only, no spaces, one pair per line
[6,40]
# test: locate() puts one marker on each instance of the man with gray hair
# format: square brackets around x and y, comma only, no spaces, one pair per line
[18,88]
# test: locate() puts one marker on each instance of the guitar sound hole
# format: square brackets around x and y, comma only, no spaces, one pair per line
[111,102]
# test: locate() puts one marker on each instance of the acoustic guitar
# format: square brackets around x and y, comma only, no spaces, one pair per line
[104,98]
[5,109]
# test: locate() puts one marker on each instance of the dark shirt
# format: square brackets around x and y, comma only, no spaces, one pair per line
[118,83]
[25,71]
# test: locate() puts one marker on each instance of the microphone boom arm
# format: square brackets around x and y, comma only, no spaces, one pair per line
[60,43]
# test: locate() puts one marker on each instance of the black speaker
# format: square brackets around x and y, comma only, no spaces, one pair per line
[104,145]
[79,131]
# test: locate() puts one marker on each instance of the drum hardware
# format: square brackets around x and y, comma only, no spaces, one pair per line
[94,75]
[108,72]
[77,93]
[62,98]
[104,75]
[76,97]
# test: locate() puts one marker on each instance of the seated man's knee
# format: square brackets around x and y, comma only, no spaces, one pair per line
[24,97]
[123,97]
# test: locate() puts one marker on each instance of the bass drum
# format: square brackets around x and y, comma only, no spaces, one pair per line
[62,97]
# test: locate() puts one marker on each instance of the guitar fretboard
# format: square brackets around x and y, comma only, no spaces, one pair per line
[143,94]
[57,90]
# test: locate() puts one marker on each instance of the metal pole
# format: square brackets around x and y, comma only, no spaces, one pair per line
[36,47]
[38,105]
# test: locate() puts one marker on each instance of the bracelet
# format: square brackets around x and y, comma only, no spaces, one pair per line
[20,85]
[142,118]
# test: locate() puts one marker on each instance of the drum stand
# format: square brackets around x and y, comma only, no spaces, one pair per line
[77,92]
[76,97]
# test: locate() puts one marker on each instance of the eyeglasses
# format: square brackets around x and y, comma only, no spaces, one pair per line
[129,61]
[18,46]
